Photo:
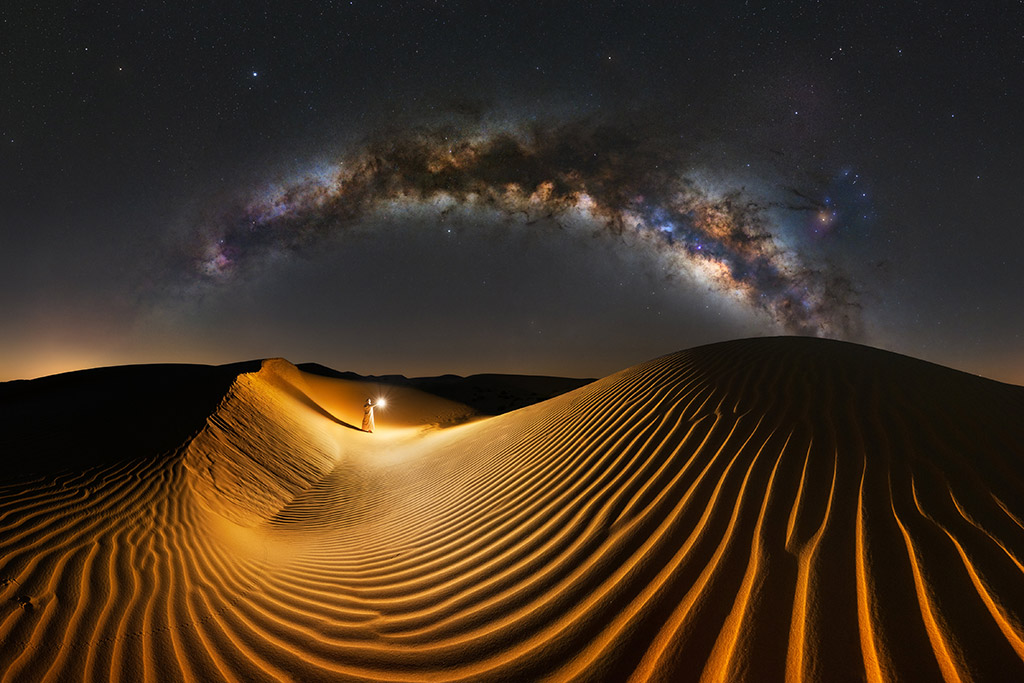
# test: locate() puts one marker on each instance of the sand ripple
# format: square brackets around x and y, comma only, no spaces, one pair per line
[757,510]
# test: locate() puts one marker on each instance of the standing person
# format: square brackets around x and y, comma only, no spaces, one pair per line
[368,415]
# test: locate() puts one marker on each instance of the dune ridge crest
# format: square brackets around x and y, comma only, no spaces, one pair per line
[264,443]
[765,509]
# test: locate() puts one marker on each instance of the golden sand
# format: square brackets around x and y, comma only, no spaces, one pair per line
[772,509]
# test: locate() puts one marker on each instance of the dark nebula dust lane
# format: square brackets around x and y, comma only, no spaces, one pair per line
[648,195]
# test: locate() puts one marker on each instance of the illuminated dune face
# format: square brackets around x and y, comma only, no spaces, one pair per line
[758,510]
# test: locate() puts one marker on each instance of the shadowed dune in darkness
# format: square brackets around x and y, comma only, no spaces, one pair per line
[763,509]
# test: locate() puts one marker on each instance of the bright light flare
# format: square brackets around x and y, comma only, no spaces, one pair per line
[381,402]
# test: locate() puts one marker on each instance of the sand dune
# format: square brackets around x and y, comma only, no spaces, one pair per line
[755,510]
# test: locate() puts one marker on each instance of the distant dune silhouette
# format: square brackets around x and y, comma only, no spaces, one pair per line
[764,509]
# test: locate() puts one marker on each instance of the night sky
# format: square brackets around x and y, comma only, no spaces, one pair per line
[543,188]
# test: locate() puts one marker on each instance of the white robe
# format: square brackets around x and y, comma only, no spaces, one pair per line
[367,417]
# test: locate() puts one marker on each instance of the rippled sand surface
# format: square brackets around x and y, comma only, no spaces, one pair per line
[770,509]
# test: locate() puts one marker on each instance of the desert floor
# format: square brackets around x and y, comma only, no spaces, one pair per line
[762,509]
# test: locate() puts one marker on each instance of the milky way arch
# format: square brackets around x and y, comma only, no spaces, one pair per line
[612,179]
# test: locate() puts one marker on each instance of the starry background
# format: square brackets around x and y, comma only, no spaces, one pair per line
[882,140]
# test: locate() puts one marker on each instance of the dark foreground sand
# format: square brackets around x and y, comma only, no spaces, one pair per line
[755,510]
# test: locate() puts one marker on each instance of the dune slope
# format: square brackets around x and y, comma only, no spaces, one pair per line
[756,510]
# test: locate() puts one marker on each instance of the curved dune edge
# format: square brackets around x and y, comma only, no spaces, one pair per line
[756,510]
